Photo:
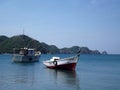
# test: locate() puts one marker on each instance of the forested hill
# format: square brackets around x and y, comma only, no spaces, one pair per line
[7,44]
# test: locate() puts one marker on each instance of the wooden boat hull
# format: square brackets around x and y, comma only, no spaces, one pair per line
[70,66]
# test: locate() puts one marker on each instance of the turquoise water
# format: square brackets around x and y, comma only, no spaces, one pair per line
[93,72]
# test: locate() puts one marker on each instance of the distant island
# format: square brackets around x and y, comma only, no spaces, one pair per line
[19,41]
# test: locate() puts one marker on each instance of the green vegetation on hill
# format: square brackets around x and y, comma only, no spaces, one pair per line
[20,41]
[3,38]
[74,49]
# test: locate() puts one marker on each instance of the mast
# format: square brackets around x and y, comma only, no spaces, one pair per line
[23,38]
[23,31]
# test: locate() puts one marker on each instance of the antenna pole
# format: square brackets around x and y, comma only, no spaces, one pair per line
[23,31]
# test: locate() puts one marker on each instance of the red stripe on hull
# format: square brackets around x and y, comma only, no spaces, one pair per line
[70,66]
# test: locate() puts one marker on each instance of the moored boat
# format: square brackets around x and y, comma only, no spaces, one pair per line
[64,63]
[26,55]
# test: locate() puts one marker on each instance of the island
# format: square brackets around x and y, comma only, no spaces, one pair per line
[19,41]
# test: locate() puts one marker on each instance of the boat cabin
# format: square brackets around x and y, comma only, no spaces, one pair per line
[26,51]
[54,58]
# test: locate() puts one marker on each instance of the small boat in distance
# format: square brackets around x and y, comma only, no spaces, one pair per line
[26,55]
[65,63]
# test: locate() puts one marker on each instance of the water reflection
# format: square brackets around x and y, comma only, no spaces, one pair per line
[66,78]
[17,77]
[25,74]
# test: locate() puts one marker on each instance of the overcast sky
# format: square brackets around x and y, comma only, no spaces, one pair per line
[64,23]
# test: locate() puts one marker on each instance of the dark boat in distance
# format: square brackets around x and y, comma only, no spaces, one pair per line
[26,55]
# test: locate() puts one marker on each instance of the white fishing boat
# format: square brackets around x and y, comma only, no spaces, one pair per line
[26,55]
[64,63]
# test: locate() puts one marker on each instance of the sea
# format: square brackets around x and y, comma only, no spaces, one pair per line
[93,72]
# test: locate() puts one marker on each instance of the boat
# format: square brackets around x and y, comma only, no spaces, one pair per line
[62,63]
[26,55]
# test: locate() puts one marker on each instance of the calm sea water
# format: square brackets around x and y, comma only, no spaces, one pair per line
[93,72]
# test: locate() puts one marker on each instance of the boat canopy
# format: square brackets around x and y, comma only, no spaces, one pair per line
[54,58]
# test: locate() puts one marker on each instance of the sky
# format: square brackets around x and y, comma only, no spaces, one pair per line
[87,23]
